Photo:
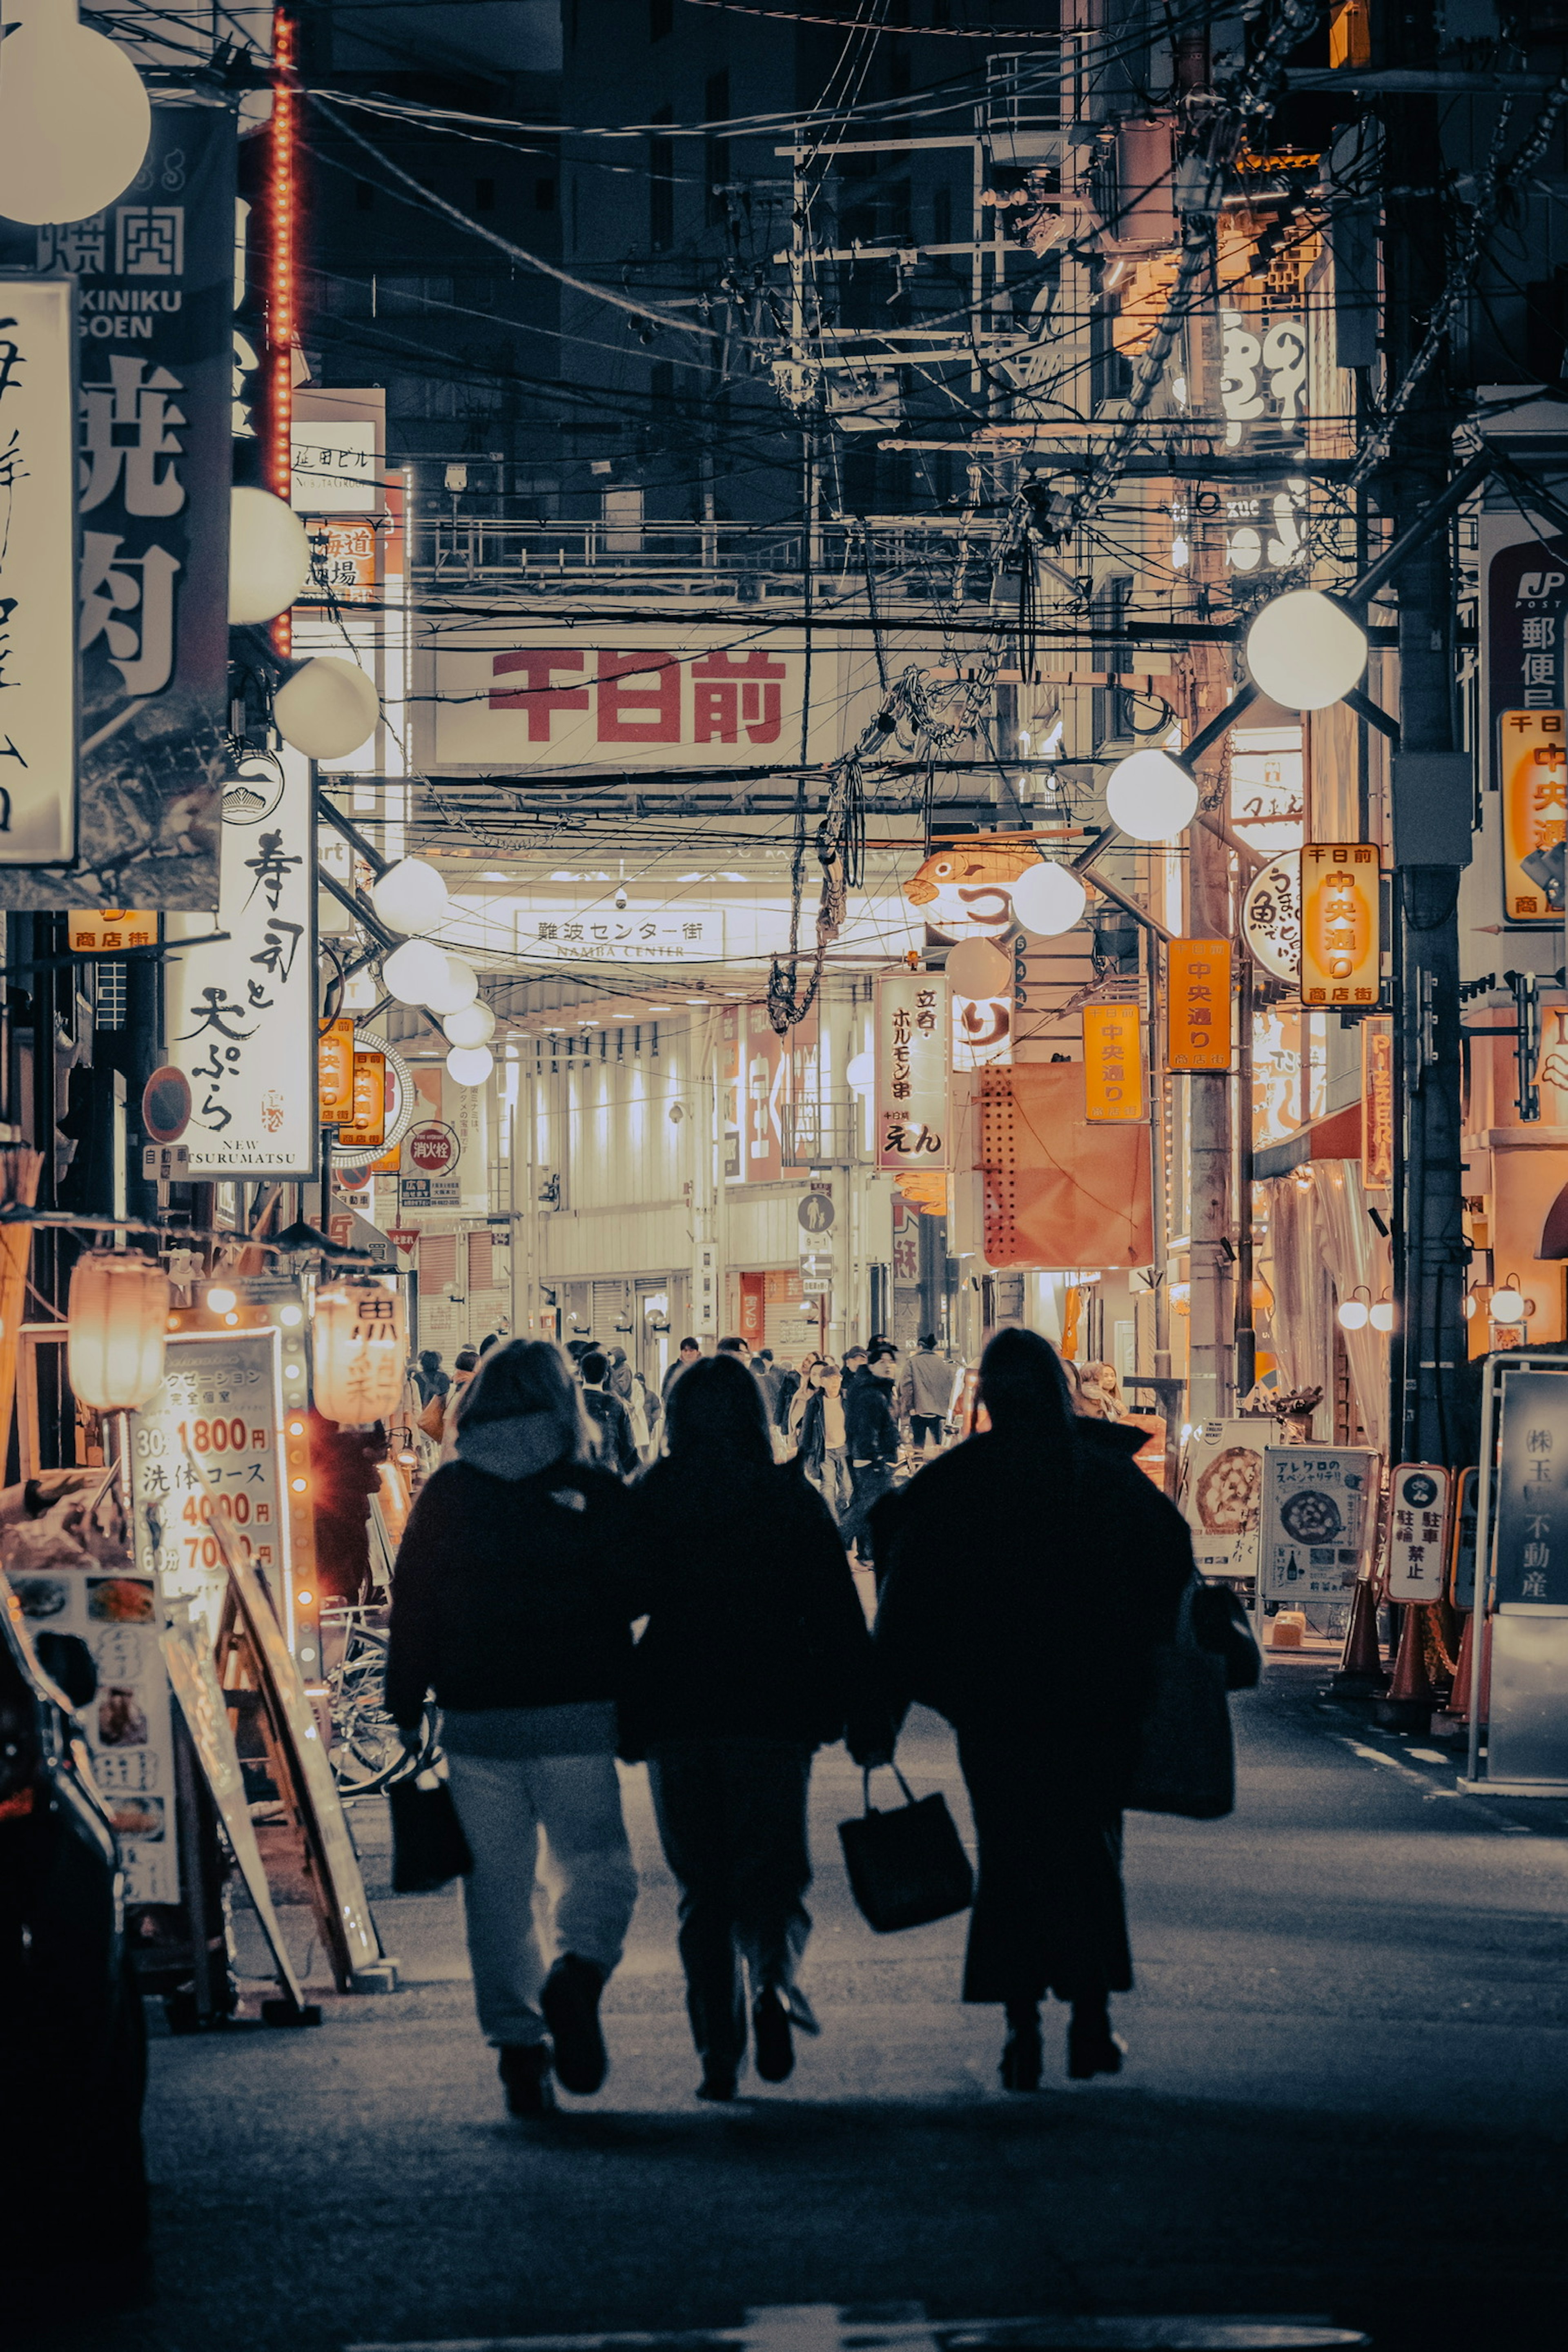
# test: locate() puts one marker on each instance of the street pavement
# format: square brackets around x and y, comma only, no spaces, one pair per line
[1344,2100]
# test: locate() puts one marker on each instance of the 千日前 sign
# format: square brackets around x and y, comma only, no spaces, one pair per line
[37,589]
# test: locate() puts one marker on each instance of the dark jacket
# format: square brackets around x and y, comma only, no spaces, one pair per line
[513,1592]
[1025,1588]
[785,1385]
[871,1431]
[754,1628]
[618,1447]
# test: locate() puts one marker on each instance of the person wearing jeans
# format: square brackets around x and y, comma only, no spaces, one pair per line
[513,1600]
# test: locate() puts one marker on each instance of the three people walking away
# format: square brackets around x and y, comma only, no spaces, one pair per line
[1029,1575]
[754,1655]
[513,1601]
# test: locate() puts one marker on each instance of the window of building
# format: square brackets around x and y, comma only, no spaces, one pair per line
[716,149]
[661,186]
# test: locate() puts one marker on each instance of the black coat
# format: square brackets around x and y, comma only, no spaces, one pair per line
[871,1431]
[505,1596]
[1025,1591]
[618,1447]
[754,1629]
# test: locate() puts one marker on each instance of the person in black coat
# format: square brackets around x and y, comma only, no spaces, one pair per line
[755,1653]
[1029,1575]
[513,1600]
[618,1447]
[872,1441]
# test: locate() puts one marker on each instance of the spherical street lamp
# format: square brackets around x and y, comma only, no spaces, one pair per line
[861,1073]
[1305,651]
[1151,797]
[457,986]
[978,968]
[1355,1313]
[269,555]
[1048,900]
[413,968]
[474,1025]
[327,708]
[74,117]
[1507,1305]
[470,1065]
[410,896]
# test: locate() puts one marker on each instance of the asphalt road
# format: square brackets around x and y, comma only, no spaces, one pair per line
[1345,2097]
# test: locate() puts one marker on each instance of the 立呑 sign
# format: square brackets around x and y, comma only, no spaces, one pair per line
[1112,1061]
[38,586]
[1198,1004]
[1341,924]
[913,1097]
[1532,780]
[1418,1531]
[1312,1521]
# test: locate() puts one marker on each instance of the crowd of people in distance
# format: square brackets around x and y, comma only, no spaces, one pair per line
[716,1580]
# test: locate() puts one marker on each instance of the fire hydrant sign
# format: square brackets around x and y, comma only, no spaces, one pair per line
[1314,1524]
[1418,1531]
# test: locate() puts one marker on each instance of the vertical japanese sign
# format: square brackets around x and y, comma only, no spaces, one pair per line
[1377,1104]
[1527,609]
[1532,779]
[1112,1061]
[773,1095]
[154,277]
[37,560]
[1533,1490]
[1342,923]
[1198,1005]
[241,1015]
[1418,1532]
[914,1102]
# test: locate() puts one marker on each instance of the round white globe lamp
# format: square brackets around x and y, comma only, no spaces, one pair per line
[410,896]
[1048,900]
[470,1065]
[268,556]
[978,968]
[1151,797]
[1507,1305]
[457,986]
[861,1073]
[474,1025]
[74,117]
[410,971]
[327,708]
[1355,1313]
[1305,651]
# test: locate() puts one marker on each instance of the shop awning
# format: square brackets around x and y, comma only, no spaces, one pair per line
[1337,1137]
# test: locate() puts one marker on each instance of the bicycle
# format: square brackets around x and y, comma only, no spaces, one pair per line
[367,1754]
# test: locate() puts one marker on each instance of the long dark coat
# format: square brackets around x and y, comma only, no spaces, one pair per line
[1026,1585]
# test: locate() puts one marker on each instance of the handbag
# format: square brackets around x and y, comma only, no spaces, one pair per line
[1221,1623]
[907,1866]
[429,1848]
[433,1421]
[1186,1761]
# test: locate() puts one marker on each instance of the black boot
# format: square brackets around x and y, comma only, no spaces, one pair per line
[1023,2061]
[1092,2048]
[524,2069]
[771,2036]
[570,2000]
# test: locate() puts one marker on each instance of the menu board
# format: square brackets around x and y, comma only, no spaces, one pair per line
[1314,1523]
[1221,1484]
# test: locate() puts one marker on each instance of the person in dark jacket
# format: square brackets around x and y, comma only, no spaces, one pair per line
[689,1354]
[617,1446]
[513,1601]
[755,1653]
[871,1438]
[344,1466]
[1029,1575]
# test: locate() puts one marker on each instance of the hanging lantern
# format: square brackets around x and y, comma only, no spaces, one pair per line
[1305,651]
[269,555]
[475,1025]
[119,1316]
[457,986]
[410,896]
[327,708]
[1151,797]
[359,1350]
[1047,899]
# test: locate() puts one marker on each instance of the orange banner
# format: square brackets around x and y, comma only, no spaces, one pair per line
[1342,923]
[1535,763]
[1112,1062]
[93,931]
[335,1072]
[1198,1005]
[368,1127]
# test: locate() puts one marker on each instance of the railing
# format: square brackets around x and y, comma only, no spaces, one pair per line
[714,559]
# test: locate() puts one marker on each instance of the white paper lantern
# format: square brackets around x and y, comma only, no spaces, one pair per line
[1047,899]
[359,1350]
[1151,797]
[474,1025]
[459,985]
[978,968]
[327,708]
[74,117]
[268,556]
[861,1073]
[1305,651]
[410,896]
[413,969]
[118,1322]
[470,1065]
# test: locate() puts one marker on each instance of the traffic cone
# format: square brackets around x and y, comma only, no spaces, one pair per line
[1360,1671]
[1410,1698]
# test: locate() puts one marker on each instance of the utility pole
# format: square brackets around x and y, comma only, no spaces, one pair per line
[1431,801]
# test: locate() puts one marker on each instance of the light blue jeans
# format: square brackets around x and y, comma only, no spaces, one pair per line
[583,1877]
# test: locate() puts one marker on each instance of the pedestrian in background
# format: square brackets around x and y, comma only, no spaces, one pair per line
[513,1603]
[1103,1380]
[872,1436]
[618,1447]
[465,1364]
[785,1387]
[734,1347]
[755,1654]
[432,1381]
[687,1355]
[931,1393]
[1044,1666]
[824,1447]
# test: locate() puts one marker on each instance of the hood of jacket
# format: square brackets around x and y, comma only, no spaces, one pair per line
[514,1449]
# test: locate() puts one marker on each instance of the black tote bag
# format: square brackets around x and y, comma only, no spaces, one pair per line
[1186,1761]
[906,1868]
[429,1848]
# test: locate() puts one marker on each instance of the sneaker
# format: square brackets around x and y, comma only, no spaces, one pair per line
[771,2035]
[524,2069]
[570,2000]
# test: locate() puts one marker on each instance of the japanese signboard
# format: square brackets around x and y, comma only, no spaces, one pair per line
[38,587]
[1262,392]
[241,1015]
[914,1088]
[1418,1532]
[367,1126]
[335,1071]
[107,931]
[773,1111]
[1271,917]
[641,699]
[1197,1003]
[1532,779]
[1267,793]
[1112,1061]
[154,279]
[982,1031]
[1221,1487]
[1313,1523]
[1341,924]
[333,465]
[1377,1104]
[1527,605]
[118,1614]
[1533,1490]
[431,1154]
[599,932]
[705,1281]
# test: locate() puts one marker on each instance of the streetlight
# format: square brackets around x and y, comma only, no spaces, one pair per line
[1305,651]
[74,117]
[412,968]
[1356,1312]
[269,555]
[470,1065]
[1047,899]
[327,708]
[457,986]
[1151,797]
[410,896]
[474,1025]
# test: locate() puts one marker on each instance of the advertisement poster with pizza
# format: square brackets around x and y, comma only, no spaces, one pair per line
[1220,1487]
[1317,1519]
